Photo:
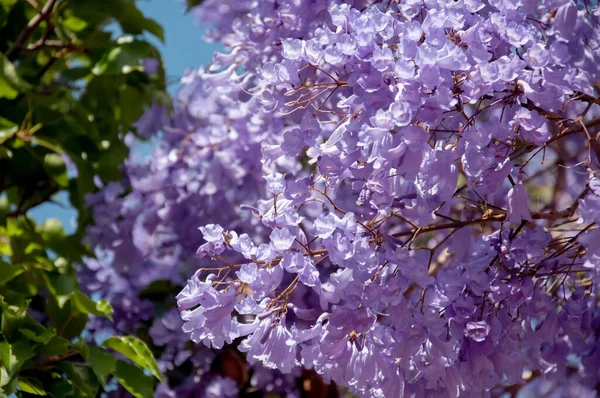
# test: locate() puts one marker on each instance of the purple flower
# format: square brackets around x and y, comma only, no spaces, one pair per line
[275,183]
[273,345]
[210,321]
[298,190]
[564,20]
[304,267]
[243,244]
[401,113]
[221,387]
[517,204]
[373,261]
[282,239]
[477,331]
[152,121]
[292,49]
[150,65]
[215,243]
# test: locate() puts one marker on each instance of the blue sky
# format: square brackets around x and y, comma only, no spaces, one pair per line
[183,49]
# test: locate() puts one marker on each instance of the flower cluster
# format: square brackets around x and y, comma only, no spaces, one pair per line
[399,196]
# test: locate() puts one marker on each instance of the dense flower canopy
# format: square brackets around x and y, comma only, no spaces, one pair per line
[399,195]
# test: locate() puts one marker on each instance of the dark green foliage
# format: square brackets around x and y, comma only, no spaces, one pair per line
[193,3]
[69,88]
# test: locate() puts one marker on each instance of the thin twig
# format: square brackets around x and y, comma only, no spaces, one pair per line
[19,44]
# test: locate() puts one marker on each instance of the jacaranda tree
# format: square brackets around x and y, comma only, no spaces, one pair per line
[74,76]
[395,198]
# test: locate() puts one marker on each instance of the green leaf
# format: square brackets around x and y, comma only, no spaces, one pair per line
[74,326]
[17,354]
[10,82]
[7,3]
[37,333]
[134,380]
[5,6]
[102,363]
[56,346]
[4,210]
[50,108]
[7,131]
[193,3]
[45,143]
[52,228]
[5,353]
[5,153]
[55,166]
[14,310]
[67,320]
[60,387]
[88,306]
[134,22]
[154,28]
[9,271]
[124,58]
[31,386]
[81,377]
[54,163]
[6,91]
[75,24]
[61,286]
[8,384]
[137,351]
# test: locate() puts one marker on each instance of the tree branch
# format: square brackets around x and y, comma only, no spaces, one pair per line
[550,216]
[19,44]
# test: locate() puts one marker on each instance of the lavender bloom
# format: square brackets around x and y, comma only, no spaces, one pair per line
[210,321]
[477,331]
[518,205]
[348,164]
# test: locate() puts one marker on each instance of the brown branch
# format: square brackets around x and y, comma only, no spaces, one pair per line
[454,224]
[586,98]
[64,326]
[32,25]
[551,216]
[42,43]
[566,213]
[48,361]
[574,128]
[61,53]
[22,211]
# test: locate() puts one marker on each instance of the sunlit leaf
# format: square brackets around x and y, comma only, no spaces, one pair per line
[134,380]
[136,350]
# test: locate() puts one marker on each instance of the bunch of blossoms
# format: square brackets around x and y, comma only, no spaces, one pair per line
[146,232]
[430,222]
